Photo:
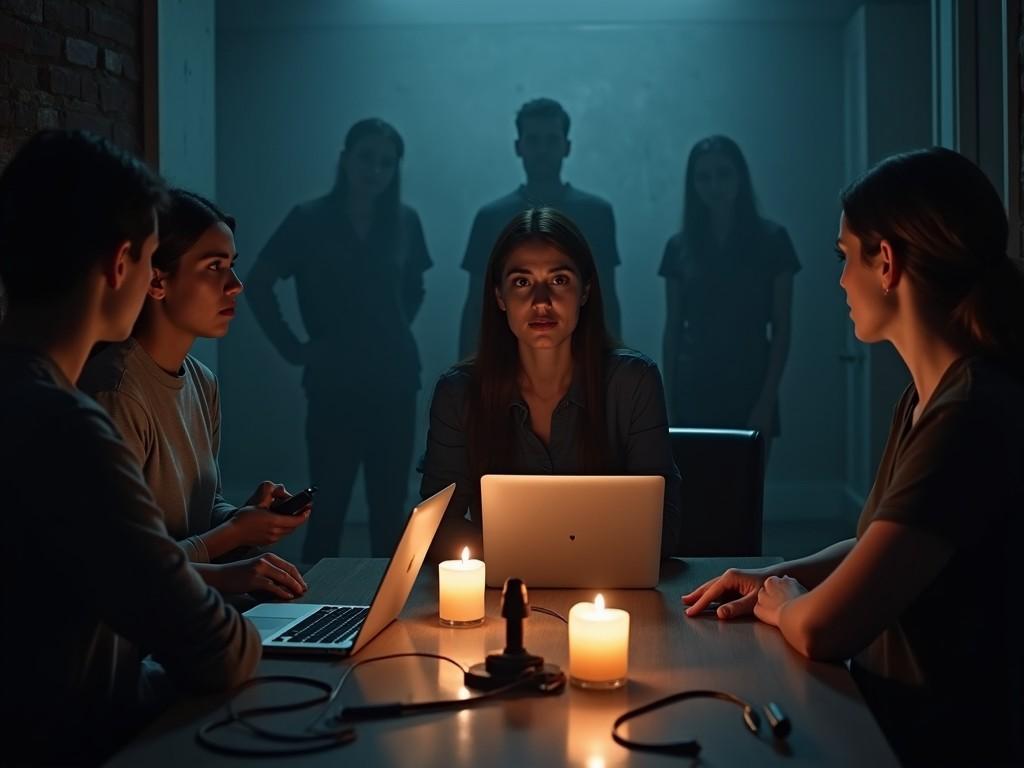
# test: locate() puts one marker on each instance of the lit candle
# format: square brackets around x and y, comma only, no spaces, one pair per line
[598,645]
[462,591]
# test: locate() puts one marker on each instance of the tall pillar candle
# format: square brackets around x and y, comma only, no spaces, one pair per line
[461,585]
[598,645]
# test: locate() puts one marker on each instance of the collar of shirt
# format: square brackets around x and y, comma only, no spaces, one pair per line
[575,395]
[563,193]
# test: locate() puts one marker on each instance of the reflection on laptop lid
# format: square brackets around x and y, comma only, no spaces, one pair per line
[345,629]
[600,532]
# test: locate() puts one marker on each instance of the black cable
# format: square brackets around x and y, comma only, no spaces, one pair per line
[549,612]
[317,738]
[318,743]
[779,723]
[399,709]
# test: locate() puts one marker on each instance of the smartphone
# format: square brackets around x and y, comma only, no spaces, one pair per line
[293,504]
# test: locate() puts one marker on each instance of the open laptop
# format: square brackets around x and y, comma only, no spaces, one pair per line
[345,629]
[573,531]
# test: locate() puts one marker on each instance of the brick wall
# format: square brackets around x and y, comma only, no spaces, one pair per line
[70,64]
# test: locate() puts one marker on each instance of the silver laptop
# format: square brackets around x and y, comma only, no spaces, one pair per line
[345,629]
[573,531]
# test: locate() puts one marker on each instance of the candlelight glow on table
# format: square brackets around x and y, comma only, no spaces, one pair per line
[461,586]
[598,645]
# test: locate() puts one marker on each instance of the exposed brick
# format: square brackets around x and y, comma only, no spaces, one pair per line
[112,61]
[131,68]
[43,42]
[47,118]
[127,136]
[77,105]
[90,88]
[24,115]
[109,24]
[81,52]
[84,121]
[66,14]
[20,74]
[65,82]
[129,7]
[14,34]
[113,95]
[132,107]
[32,10]
[71,63]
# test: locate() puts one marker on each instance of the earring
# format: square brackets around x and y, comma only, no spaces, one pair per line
[885,290]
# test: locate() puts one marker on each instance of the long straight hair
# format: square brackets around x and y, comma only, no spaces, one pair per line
[387,206]
[947,226]
[495,369]
[696,214]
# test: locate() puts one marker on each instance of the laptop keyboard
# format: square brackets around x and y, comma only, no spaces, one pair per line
[330,624]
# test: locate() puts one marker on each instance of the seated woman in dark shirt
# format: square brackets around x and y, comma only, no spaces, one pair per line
[547,392]
[924,599]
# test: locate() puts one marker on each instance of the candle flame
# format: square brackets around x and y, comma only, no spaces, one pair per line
[599,602]
[465,554]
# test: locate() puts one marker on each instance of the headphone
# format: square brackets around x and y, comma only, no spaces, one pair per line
[778,721]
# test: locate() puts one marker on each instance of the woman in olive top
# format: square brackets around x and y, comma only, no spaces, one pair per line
[547,393]
[167,406]
[924,599]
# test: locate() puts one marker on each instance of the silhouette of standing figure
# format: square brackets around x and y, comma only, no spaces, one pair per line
[357,256]
[542,145]
[729,285]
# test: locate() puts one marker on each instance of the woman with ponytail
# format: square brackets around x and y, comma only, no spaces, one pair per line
[924,599]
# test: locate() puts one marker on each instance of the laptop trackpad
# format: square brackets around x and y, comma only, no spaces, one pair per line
[269,618]
[268,626]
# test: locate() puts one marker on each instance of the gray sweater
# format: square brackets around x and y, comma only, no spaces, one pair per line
[95,581]
[171,422]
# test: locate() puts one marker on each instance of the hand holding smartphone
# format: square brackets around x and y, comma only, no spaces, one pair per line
[292,505]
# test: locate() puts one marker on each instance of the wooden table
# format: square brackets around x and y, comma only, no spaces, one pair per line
[668,652]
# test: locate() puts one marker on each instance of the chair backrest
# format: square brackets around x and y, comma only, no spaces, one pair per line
[722,491]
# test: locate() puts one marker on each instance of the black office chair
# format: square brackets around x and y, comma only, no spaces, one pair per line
[722,491]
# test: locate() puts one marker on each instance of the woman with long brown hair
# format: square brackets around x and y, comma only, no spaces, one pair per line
[728,299]
[357,256]
[547,392]
[925,599]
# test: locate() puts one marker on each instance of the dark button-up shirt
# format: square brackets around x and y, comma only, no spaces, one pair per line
[345,285]
[638,439]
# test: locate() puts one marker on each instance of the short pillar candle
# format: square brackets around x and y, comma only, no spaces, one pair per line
[461,585]
[598,645]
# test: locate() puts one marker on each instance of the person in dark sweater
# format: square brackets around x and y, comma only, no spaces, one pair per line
[924,599]
[548,393]
[107,584]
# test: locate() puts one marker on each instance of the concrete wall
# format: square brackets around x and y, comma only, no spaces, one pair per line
[640,91]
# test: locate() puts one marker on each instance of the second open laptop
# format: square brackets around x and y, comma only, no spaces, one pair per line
[345,629]
[580,531]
